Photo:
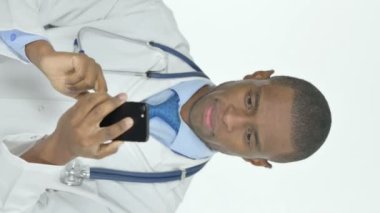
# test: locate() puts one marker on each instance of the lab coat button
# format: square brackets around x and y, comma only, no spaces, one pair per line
[13,36]
[43,201]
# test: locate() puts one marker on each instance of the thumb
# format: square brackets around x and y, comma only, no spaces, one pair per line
[57,64]
[101,84]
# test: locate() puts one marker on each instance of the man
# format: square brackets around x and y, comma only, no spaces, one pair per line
[259,119]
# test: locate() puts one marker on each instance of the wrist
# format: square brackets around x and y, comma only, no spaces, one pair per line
[56,151]
[48,150]
[37,51]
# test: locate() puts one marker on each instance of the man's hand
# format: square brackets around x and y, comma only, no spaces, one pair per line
[69,73]
[78,132]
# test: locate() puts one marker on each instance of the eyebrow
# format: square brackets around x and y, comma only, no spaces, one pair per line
[257,142]
[257,99]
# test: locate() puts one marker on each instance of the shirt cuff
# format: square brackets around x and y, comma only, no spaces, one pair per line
[20,143]
[16,40]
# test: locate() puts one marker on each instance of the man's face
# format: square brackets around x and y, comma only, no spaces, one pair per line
[248,118]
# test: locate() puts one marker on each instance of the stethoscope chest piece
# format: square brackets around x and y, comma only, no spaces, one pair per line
[75,173]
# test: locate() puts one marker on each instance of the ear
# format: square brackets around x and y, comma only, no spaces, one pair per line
[260,75]
[259,162]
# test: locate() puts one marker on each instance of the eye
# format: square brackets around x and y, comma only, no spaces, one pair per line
[248,136]
[249,100]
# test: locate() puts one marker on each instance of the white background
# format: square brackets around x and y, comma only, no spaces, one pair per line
[335,44]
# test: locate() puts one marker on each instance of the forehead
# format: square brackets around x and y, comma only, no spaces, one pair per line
[275,116]
[244,83]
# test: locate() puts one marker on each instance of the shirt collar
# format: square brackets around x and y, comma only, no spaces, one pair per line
[186,142]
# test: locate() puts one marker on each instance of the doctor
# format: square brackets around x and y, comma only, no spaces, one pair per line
[34,108]
[217,115]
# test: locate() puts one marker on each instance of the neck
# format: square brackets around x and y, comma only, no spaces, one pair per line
[185,110]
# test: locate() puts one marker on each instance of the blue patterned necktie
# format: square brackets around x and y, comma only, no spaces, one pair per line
[167,111]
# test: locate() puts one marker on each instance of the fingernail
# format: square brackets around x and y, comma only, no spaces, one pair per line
[129,121]
[122,96]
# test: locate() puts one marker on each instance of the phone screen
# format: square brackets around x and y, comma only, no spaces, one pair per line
[138,111]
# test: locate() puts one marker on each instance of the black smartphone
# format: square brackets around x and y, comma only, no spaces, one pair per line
[139,132]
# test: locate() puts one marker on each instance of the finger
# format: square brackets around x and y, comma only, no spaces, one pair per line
[100,111]
[79,95]
[80,64]
[86,84]
[74,77]
[115,130]
[87,70]
[73,94]
[88,101]
[108,149]
[101,84]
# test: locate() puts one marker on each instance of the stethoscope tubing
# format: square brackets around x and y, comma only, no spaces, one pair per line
[151,44]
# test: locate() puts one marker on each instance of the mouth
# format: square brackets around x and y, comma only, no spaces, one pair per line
[208,117]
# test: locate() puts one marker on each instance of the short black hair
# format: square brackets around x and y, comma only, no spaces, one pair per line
[311,118]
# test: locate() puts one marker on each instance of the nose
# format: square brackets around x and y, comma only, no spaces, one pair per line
[234,118]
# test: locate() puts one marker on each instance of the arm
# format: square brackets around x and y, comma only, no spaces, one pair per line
[78,133]
[69,73]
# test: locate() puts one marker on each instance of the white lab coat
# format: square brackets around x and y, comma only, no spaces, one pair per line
[29,105]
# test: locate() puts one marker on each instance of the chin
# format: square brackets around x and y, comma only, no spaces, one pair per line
[220,148]
[216,147]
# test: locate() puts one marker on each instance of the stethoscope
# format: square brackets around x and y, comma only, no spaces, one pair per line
[154,46]
[75,173]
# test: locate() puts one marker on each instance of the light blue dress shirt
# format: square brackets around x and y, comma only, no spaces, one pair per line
[16,40]
[185,143]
